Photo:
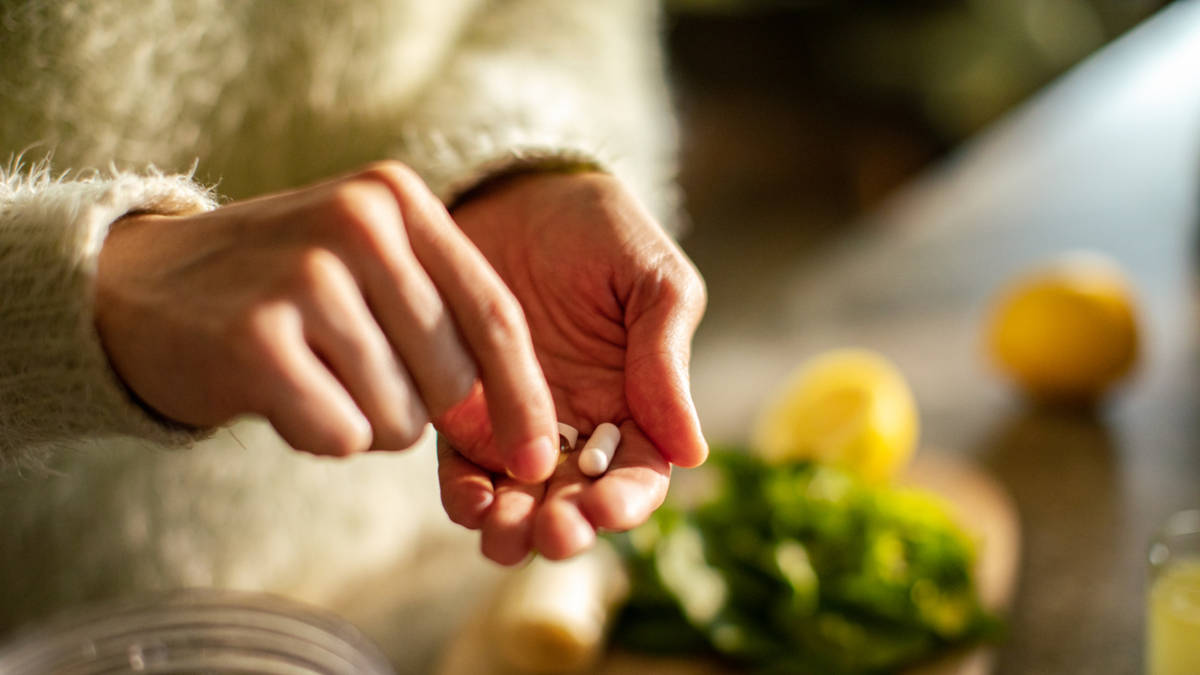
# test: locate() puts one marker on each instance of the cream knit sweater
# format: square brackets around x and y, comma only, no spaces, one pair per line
[141,104]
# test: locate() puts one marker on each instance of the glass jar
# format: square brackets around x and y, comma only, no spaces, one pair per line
[195,631]
[1173,602]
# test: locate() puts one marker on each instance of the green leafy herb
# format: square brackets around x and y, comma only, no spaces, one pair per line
[801,568]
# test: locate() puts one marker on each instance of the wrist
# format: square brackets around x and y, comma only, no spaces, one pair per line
[120,242]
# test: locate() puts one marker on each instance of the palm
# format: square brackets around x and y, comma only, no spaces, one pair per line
[578,331]
[590,276]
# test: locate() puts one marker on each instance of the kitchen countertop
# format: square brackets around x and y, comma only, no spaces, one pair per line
[1104,159]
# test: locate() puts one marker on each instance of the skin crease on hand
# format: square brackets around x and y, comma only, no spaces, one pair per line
[612,304]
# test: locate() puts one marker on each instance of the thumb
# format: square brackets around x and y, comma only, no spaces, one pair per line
[466,427]
[662,317]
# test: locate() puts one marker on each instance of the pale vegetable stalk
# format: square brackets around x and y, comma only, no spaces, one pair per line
[552,617]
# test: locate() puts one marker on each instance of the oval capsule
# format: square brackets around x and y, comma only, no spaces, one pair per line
[598,452]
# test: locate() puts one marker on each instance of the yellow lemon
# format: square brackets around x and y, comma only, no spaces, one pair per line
[1068,331]
[848,407]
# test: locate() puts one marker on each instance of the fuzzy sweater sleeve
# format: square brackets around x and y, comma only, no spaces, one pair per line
[55,381]
[546,84]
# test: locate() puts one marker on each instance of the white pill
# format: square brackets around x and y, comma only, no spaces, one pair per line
[598,452]
[568,432]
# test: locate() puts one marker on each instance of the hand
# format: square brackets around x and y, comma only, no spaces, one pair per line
[347,313]
[612,304]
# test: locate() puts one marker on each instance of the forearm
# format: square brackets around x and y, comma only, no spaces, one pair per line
[55,381]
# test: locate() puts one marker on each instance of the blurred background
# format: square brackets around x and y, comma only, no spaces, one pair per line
[799,116]
[871,173]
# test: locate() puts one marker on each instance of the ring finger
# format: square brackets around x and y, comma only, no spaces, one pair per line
[342,331]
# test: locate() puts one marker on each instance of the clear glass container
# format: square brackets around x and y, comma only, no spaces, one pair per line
[1173,599]
[195,631]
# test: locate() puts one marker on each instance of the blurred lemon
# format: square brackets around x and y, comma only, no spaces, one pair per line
[848,407]
[1068,331]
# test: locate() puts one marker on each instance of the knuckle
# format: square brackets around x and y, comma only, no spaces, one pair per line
[359,209]
[315,268]
[254,335]
[369,347]
[353,203]
[395,174]
[502,321]
[366,218]
[385,167]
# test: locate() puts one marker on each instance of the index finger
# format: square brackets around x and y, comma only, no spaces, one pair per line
[493,326]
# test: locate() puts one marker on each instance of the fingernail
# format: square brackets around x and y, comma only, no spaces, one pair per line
[534,462]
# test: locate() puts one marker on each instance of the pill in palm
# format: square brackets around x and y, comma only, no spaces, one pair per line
[598,452]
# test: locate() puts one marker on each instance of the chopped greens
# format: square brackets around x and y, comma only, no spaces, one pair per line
[801,568]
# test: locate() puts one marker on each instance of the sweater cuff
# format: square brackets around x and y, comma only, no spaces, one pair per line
[56,383]
[453,164]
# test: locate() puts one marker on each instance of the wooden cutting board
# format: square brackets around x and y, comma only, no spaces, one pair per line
[978,501]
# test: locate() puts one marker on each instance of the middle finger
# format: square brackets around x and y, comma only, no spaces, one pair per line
[507,533]
[560,530]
